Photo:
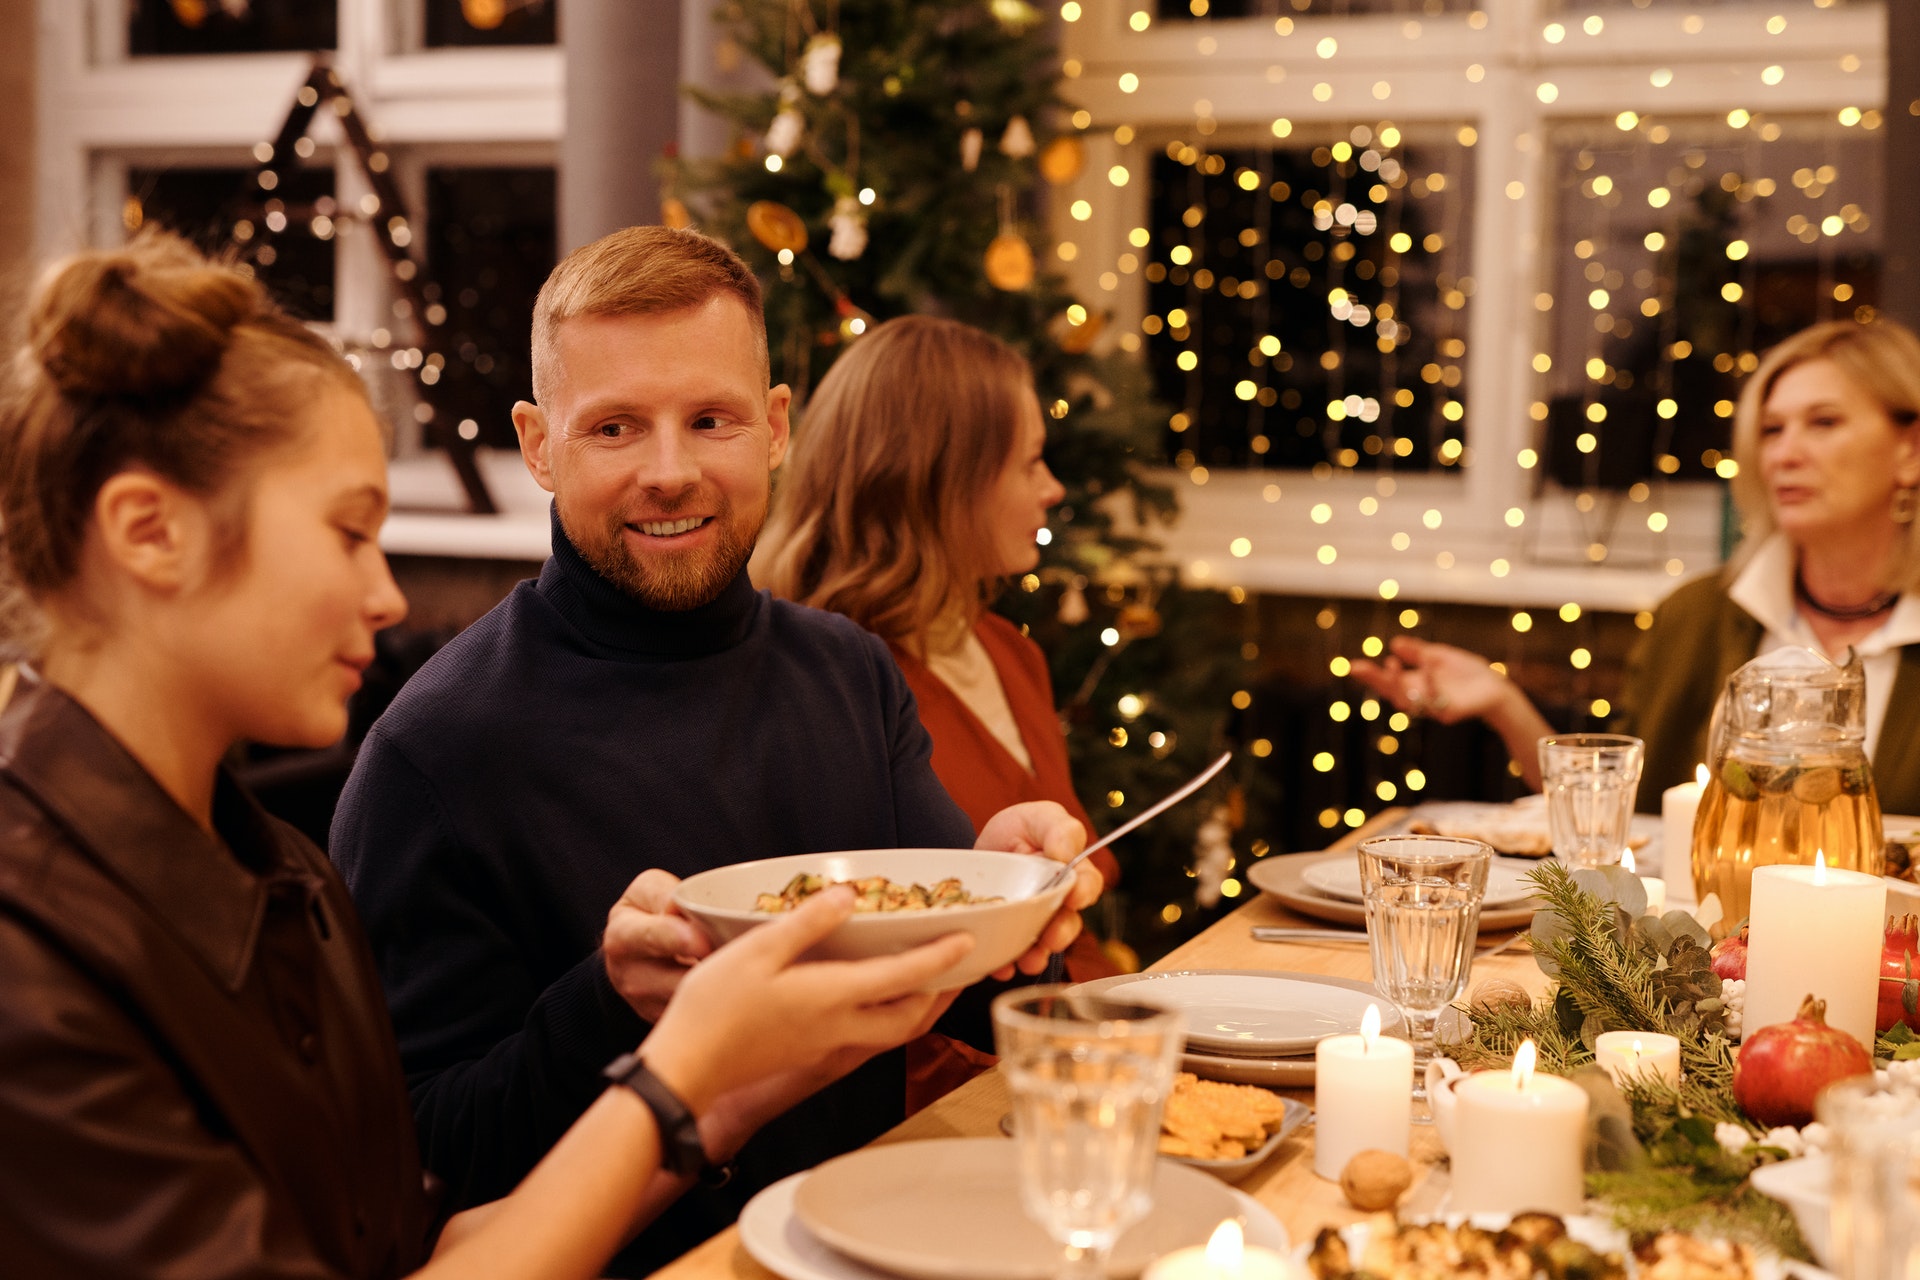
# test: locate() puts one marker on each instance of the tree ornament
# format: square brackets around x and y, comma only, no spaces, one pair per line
[820,64]
[673,213]
[1073,606]
[784,134]
[191,13]
[1212,855]
[1138,621]
[481,15]
[1062,160]
[1078,339]
[776,226]
[970,143]
[1009,262]
[1014,15]
[849,227]
[1017,141]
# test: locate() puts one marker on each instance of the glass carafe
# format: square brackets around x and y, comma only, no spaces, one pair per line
[1789,777]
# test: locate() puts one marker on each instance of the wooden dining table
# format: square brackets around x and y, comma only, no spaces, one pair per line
[1286,1184]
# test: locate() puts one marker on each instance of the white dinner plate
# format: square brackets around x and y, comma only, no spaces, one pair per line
[1507,884]
[776,1239]
[1248,1013]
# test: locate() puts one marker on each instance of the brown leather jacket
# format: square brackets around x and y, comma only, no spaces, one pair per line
[197,1074]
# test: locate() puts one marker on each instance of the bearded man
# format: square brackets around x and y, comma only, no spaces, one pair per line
[635,715]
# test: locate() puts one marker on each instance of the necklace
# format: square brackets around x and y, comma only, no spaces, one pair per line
[1843,613]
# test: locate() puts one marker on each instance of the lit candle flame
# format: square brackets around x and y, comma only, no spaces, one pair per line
[1626,861]
[1819,866]
[1523,1065]
[1637,1051]
[1700,776]
[1370,1028]
[1224,1248]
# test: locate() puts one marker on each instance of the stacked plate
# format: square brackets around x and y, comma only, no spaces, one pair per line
[1328,888]
[949,1209]
[1253,1026]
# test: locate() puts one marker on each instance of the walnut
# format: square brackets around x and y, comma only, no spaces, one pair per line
[1375,1179]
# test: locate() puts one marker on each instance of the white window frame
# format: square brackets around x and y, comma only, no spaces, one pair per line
[1715,69]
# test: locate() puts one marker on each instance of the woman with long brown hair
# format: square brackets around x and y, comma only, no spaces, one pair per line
[197,1073]
[916,484]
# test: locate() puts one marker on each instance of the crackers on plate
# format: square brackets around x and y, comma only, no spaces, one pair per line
[1209,1120]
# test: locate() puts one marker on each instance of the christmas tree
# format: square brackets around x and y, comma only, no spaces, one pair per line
[900,165]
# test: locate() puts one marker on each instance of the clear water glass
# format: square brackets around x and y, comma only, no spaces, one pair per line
[1590,780]
[1423,896]
[1090,1078]
[1874,1147]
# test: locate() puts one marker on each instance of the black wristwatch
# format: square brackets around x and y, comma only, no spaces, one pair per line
[681,1151]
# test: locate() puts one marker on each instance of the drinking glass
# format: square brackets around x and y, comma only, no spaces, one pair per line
[1423,898]
[1875,1152]
[1090,1077]
[1590,780]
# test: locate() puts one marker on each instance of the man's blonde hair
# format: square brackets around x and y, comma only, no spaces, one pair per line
[636,272]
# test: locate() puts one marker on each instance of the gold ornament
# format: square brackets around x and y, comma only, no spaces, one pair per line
[1138,621]
[673,213]
[484,15]
[776,226]
[1078,339]
[1009,262]
[1062,160]
[190,13]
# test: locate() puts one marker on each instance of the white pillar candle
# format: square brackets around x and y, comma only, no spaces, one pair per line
[1225,1256]
[1656,887]
[1679,806]
[1519,1141]
[1815,931]
[1626,1054]
[1362,1096]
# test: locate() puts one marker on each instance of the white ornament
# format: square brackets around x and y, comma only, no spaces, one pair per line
[820,65]
[1017,141]
[784,134]
[1073,606]
[1212,855]
[1733,1139]
[849,229]
[1733,995]
[970,144]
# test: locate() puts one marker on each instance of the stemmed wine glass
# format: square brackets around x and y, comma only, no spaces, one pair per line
[1089,1077]
[1423,897]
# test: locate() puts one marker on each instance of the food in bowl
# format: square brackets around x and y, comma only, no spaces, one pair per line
[1016,894]
[873,893]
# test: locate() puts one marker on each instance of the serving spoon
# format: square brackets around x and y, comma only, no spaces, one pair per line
[1198,781]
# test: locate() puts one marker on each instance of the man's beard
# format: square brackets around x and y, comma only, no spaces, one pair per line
[672,582]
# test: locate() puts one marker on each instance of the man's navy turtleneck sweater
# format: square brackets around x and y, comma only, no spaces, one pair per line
[564,743]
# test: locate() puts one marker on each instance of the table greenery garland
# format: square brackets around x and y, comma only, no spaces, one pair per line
[1660,1156]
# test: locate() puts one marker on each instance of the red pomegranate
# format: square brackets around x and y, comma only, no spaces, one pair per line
[1783,1067]
[1899,987]
[1729,956]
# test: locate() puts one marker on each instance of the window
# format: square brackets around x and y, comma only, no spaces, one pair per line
[1307,305]
[491,22]
[1682,250]
[161,27]
[219,210]
[490,245]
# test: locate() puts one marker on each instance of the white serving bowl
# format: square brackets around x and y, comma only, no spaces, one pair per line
[721,902]
[1803,1186]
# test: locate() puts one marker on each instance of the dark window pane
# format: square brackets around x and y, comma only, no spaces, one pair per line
[221,211]
[1682,251]
[231,26]
[1308,305]
[484,22]
[490,245]
[1309,8]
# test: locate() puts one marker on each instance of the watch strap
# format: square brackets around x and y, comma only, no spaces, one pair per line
[681,1151]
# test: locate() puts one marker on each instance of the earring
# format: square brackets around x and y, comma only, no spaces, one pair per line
[1906,501]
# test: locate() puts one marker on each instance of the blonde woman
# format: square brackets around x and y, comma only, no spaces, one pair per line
[1829,454]
[916,484]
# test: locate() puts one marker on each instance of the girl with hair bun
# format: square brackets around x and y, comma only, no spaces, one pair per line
[197,1073]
